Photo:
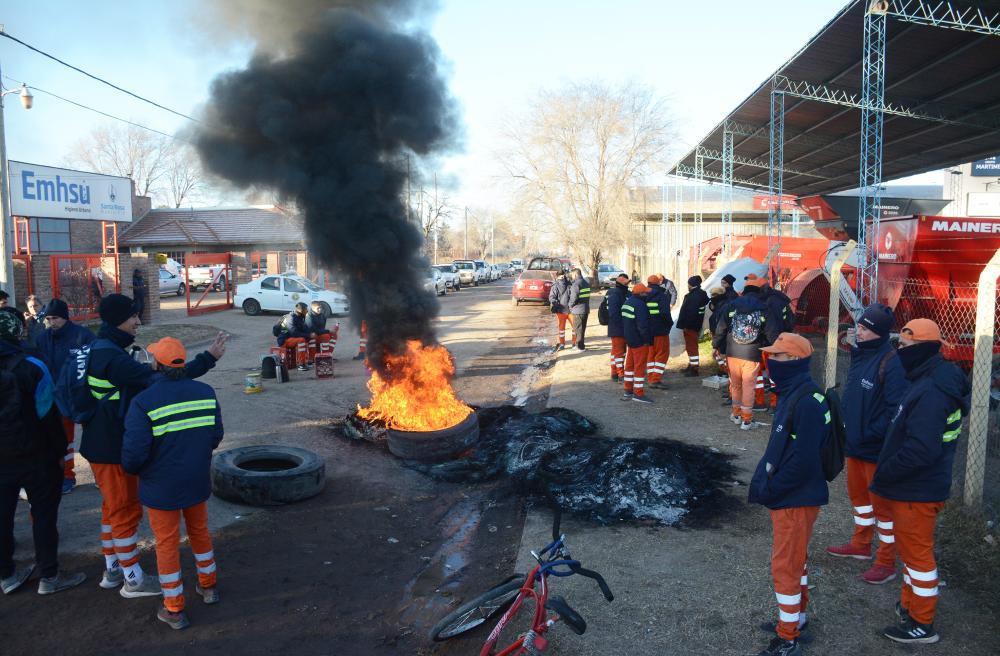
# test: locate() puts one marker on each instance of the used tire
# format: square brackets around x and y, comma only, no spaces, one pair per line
[251,307]
[269,475]
[473,613]
[434,446]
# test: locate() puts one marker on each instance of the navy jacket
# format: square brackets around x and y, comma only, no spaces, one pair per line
[292,325]
[171,430]
[635,319]
[116,373]
[716,305]
[658,303]
[780,308]
[579,296]
[869,401]
[723,340]
[559,295]
[316,323]
[616,297]
[55,345]
[916,459]
[692,314]
[795,476]
[39,414]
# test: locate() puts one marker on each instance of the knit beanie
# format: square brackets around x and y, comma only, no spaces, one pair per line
[11,324]
[694,281]
[116,309]
[878,318]
[729,278]
[57,308]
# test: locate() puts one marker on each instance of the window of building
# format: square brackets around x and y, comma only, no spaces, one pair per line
[49,235]
[177,256]
[291,262]
[269,283]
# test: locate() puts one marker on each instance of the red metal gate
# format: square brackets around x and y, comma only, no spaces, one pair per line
[81,281]
[213,271]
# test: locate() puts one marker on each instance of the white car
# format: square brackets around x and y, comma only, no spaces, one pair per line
[467,272]
[450,274]
[280,293]
[606,274]
[434,282]
[171,284]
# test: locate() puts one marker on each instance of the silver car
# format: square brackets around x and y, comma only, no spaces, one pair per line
[434,282]
[450,274]
[606,274]
[467,272]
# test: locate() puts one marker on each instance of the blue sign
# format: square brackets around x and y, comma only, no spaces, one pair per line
[987,168]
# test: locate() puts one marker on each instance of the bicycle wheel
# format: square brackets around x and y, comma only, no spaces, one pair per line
[473,613]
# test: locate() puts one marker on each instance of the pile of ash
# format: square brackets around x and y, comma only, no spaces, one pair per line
[605,479]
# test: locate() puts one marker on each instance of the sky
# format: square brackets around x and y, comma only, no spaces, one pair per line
[703,58]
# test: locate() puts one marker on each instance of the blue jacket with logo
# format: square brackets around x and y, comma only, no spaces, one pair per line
[635,319]
[616,297]
[916,459]
[55,345]
[790,474]
[869,402]
[658,303]
[171,430]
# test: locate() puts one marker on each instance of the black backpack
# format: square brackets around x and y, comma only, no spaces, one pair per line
[14,438]
[602,312]
[278,328]
[831,452]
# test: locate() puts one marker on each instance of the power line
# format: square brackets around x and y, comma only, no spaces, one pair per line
[96,111]
[94,77]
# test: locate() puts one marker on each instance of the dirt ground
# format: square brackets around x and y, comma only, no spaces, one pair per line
[368,566]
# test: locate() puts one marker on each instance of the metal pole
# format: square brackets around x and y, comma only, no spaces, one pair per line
[776,180]
[493,243]
[833,324]
[466,251]
[7,261]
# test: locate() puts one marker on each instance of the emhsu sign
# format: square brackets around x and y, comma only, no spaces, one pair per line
[46,192]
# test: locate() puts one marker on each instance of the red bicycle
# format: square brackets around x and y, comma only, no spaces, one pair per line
[553,560]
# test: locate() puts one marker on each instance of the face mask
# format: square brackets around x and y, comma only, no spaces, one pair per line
[913,356]
[782,371]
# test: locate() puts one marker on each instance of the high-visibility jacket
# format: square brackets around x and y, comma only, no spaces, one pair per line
[117,377]
[293,324]
[616,298]
[692,314]
[635,319]
[579,296]
[658,304]
[171,430]
[919,450]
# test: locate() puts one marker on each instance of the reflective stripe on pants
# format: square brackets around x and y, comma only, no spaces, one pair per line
[913,524]
[871,513]
[635,369]
[792,528]
[166,525]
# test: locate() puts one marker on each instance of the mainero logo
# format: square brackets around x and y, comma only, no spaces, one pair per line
[966,226]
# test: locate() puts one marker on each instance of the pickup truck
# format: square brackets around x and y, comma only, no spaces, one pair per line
[213,275]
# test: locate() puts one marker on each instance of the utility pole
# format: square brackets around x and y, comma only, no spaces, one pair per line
[6,259]
[436,231]
[466,250]
[493,244]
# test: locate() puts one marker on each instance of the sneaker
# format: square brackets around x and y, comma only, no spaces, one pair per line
[642,399]
[615,378]
[23,494]
[879,574]
[902,615]
[781,647]
[359,356]
[726,400]
[910,632]
[303,367]
[174,620]
[112,578]
[736,419]
[60,582]
[659,385]
[627,396]
[209,595]
[746,425]
[16,580]
[850,551]
[150,587]
[68,485]
[772,627]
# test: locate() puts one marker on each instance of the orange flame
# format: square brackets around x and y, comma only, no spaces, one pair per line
[416,395]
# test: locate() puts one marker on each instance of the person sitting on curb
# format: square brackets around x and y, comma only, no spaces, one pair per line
[914,471]
[789,481]
[31,452]
[171,430]
[293,335]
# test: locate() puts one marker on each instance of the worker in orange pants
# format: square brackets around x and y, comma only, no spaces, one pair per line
[635,319]
[121,514]
[616,329]
[660,323]
[559,305]
[166,525]
[293,336]
[319,335]
[363,342]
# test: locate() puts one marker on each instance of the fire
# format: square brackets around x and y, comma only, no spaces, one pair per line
[416,395]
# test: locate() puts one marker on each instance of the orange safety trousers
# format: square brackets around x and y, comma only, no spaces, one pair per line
[297,347]
[121,513]
[691,346]
[166,525]
[742,380]
[635,370]
[561,321]
[759,399]
[792,529]
[914,524]
[870,511]
[658,355]
[323,343]
[363,342]
[69,471]
[618,347]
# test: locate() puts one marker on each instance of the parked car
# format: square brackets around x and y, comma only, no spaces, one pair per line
[467,272]
[547,264]
[518,265]
[171,284]
[533,285]
[280,293]
[507,269]
[434,282]
[450,274]
[606,274]
[495,271]
[203,276]
[481,271]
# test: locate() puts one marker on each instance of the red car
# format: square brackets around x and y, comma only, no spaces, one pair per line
[533,285]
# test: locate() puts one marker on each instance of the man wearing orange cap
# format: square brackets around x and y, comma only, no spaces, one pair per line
[635,319]
[914,471]
[789,481]
[171,430]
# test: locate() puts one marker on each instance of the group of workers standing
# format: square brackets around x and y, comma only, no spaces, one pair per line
[148,432]
[569,300]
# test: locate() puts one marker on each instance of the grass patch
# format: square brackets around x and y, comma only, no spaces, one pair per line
[969,551]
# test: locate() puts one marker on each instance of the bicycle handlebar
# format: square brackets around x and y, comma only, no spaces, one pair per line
[591,574]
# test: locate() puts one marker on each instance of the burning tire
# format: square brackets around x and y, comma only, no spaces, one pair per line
[434,446]
[269,475]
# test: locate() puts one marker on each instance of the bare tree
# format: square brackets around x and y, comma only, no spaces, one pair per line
[184,177]
[576,152]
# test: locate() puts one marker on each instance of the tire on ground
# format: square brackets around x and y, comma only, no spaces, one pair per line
[434,446]
[305,476]
[485,606]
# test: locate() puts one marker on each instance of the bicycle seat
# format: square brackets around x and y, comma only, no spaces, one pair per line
[572,618]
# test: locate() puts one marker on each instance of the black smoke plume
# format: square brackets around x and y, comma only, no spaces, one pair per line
[329,123]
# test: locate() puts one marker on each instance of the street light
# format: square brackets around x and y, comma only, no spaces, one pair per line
[7,262]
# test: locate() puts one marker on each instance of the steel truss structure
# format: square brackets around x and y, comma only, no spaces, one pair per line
[943,14]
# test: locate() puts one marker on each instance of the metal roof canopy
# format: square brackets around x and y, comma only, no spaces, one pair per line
[949,75]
